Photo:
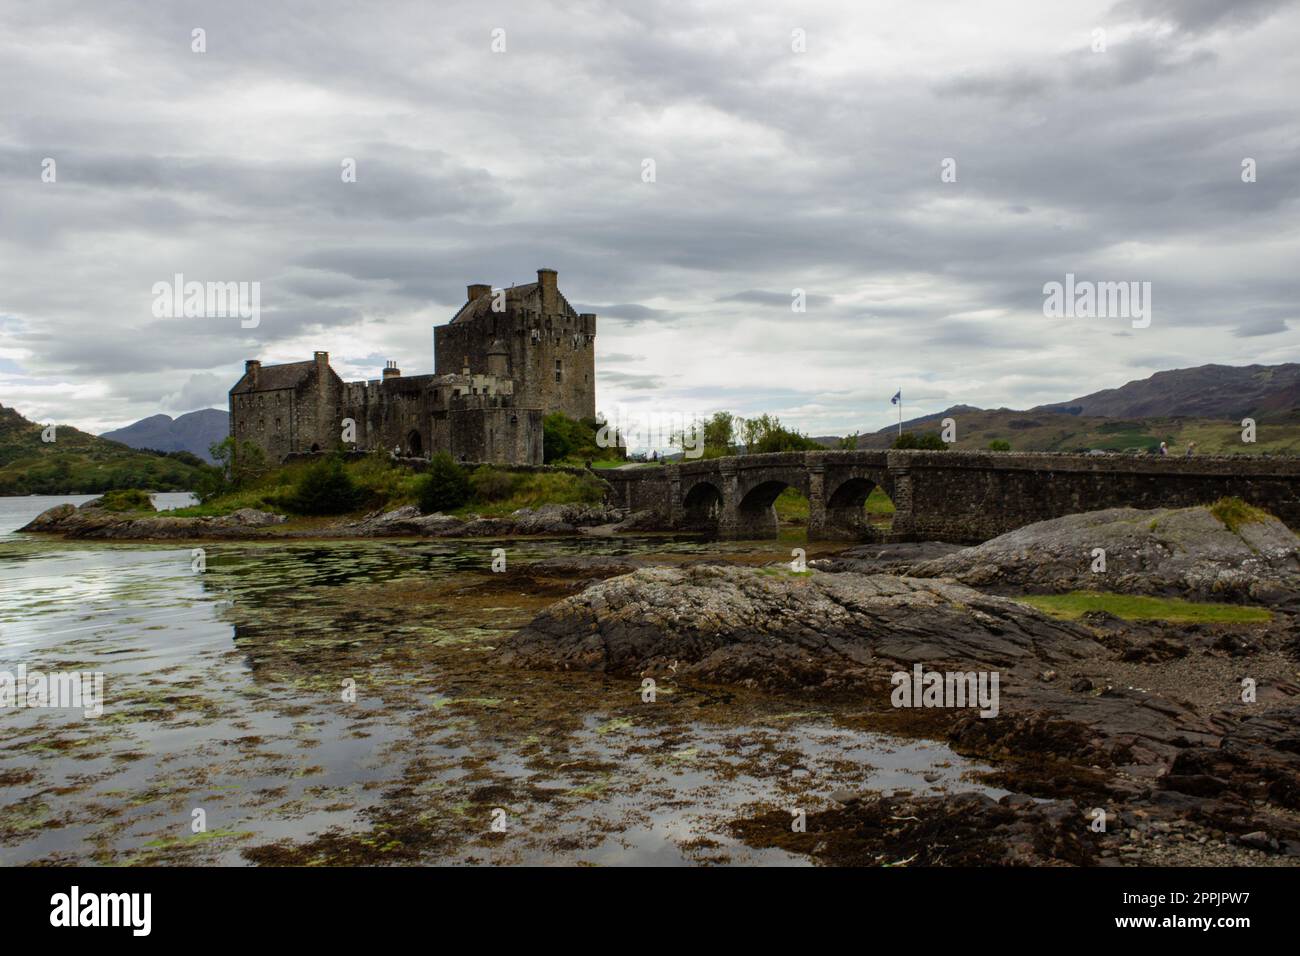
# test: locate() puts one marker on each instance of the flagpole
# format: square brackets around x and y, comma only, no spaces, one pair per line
[900,413]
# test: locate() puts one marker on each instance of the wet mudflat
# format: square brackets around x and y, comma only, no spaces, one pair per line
[227,691]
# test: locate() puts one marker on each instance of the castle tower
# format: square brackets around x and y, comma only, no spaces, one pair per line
[532,332]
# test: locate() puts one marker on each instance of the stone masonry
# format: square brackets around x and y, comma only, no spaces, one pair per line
[964,497]
[508,358]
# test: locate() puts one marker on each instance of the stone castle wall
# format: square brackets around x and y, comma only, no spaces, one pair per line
[497,374]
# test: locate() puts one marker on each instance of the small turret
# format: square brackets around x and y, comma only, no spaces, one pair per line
[498,359]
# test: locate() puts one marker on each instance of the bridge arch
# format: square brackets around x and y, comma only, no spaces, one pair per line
[846,497]
[702,506]
[756,505]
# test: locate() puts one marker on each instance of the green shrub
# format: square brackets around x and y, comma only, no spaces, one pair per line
[238,468]
[126,499]
[490,484]
[443,487]
[564,437]
[324,489]
[1234,513]
[999,444]
[384,484]
[930,441]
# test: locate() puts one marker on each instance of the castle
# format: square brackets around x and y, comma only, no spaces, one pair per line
[507,358]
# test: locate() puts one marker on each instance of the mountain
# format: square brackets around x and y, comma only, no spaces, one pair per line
[1204,405]
[1207,391]
[79,463]
[1053,431]
[193,432]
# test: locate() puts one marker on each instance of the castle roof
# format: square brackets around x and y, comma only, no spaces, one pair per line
[273,377]
[515,295]
[474,308]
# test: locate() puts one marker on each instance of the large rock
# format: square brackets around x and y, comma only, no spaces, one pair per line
[774,628]
[553,519]
[1185,551]
[91,521]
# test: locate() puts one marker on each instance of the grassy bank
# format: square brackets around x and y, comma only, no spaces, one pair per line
[1132,607]
[792,507]
[381,485]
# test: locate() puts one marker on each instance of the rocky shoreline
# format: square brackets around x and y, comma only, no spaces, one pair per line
[92,521]
[1122,742]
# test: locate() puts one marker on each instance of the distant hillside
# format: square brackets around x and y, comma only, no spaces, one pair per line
[1208,391]
[194,432]
[1204,405]
[78,463]
[1053,431]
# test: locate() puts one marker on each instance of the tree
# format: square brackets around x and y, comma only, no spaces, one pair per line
[556,444]
[720,432]
[930,441]
[564,437]
[238,466]
[772,437]
[324,489]
[849,442]
[444,486]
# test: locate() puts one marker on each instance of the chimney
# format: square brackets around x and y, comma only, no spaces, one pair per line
[391,370]
[547,282]
[322,360]
[251,368]
[476,290]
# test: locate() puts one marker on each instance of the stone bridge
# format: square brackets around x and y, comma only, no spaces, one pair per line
[958,496]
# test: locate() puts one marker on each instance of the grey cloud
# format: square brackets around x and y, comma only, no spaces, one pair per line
[1261,327]
[629,312]
[474,168]
[630,381]
[782,299]
[201,390]
[1199,16]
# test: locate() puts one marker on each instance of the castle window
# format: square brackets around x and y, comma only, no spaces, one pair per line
[559,370]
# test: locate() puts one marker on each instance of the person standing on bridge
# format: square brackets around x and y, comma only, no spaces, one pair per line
[1164,449]
[1190,446]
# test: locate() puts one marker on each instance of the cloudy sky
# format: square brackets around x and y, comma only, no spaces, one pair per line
[775,170]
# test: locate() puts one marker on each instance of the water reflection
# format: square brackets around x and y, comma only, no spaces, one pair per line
[228,691]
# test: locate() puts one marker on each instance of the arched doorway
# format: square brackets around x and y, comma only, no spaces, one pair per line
[414,445]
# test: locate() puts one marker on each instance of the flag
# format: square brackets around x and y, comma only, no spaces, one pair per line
[897,397]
